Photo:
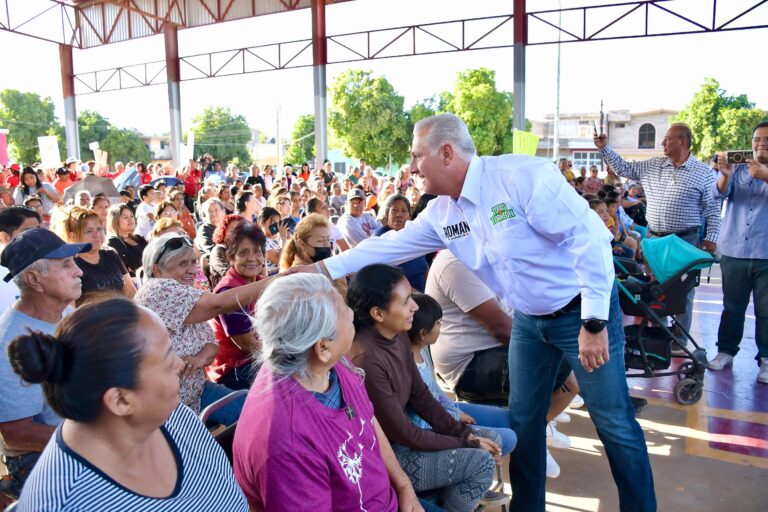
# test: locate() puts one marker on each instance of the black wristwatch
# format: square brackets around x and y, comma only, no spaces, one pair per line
[593,325]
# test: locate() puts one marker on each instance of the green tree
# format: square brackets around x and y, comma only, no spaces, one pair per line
[302,146]
[368,117]
[125,145]
[222,134]
[92,127]
[719,121]
[27,116]
[486,110]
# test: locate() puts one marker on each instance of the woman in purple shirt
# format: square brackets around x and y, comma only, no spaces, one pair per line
[307,438]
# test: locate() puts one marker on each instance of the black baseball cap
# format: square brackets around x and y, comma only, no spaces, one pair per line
[36,244]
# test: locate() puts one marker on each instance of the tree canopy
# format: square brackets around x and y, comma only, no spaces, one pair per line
[367,116]
[718,121]
[222,134]
[27,116]
[302,146]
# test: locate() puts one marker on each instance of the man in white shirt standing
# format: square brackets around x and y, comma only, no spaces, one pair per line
[357,225]
[527,234]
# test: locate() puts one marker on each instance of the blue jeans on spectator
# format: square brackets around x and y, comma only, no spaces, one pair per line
[494,418]
[240,377]
[228,414]
[742,277]
[536,348]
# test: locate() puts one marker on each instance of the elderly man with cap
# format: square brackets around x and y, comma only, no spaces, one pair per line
[44,269]
[356,225]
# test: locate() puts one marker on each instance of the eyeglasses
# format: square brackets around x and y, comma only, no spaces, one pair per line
[757,140]
[174,244]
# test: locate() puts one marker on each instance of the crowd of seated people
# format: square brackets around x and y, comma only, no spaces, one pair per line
[151,306]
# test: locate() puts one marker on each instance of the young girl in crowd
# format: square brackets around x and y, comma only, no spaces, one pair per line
[423,333]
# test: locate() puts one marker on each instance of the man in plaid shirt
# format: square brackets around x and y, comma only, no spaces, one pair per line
[678,188]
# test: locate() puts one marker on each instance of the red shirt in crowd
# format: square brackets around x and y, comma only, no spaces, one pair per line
[227,325]
[192,183]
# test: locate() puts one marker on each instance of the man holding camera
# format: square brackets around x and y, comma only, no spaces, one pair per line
[744,251]
[678,190]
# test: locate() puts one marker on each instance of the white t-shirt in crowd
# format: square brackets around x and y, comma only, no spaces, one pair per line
[458,291]
[357,229]
[143,223]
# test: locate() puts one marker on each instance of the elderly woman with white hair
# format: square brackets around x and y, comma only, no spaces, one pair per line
[212,213]
[169,265]
[307,438]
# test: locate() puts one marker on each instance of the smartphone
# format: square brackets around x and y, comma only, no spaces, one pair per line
[594,127]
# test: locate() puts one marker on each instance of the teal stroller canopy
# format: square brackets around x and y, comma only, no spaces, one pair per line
[670,255]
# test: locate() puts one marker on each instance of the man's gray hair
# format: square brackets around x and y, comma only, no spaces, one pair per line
[446,129]
[40,265]
[293,314]
[153,250]
[207,204]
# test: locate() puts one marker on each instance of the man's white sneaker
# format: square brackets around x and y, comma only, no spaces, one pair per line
[557,439]
[720,361]
[762,377]
[577,402]
[553,470]
[563,417]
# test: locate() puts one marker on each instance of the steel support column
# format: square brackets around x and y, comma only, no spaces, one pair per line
[319,61]
[70,109]
[520,21]
[174,95]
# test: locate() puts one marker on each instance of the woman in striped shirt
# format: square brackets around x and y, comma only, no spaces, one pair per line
[126,443]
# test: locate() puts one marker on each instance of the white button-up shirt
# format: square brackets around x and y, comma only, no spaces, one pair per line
[519,227]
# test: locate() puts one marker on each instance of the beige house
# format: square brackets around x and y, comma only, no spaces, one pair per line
[634,135]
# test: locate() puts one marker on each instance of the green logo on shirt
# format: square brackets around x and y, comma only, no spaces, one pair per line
[500,213]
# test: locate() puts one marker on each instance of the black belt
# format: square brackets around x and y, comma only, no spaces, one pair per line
[659,234]
[568,308]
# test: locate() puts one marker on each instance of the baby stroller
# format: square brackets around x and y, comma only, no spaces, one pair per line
[675,267]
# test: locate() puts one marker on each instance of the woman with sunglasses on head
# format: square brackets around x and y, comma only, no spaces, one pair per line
[170,269]
[103,269]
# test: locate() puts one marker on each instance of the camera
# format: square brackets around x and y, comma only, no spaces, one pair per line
[739,157]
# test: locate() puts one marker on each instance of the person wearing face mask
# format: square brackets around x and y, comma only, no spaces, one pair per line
[277,236]
[396,213]
[310,243]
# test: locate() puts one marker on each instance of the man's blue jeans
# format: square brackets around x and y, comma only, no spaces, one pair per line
[742,277]
[536,348]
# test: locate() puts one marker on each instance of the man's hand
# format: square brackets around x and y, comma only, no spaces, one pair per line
[600,140]
[467,419]
[723,166]
[757,170]
[710,247]
[593,349]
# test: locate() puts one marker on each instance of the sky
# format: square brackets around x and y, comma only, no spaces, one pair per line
[636,74]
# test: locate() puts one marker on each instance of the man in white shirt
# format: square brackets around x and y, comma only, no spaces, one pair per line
[528,235]
[357,225]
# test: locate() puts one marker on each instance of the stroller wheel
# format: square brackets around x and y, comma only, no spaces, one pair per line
[685,370]
[688,391]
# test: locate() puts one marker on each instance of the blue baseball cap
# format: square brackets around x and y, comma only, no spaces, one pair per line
[36,244]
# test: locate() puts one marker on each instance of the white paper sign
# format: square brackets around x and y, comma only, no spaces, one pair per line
[49,152]
[93,146]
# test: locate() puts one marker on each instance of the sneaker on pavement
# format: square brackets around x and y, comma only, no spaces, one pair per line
[563,417]
[553,469]
[557,439]
[577,402]
[495,499]
[720,361]
[762,377]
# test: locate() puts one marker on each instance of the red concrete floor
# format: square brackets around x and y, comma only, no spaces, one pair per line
[734,407]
